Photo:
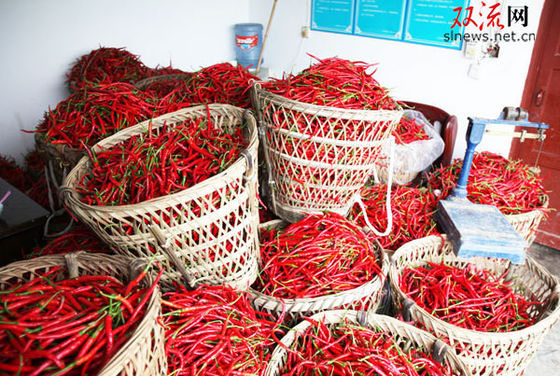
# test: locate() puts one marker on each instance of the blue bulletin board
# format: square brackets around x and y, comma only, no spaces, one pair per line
[415,21]
[380,18]
[333,15]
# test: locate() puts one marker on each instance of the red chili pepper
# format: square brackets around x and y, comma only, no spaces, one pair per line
[494,180]
[52,325]
[469,298]
[347,348]
[319,255]
[214,330]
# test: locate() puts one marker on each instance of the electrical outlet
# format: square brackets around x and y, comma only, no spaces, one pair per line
[305,31]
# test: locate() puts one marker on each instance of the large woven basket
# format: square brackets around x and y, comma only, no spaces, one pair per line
[62,157]
[227,202]
[503,354]
[144,353]
[406,336]
[310,173]
[368,295]
[145,82]
[400,177]
[528,223]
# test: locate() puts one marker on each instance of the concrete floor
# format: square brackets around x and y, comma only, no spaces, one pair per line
[547,360]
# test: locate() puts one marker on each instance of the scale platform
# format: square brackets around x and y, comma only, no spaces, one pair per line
[480,230]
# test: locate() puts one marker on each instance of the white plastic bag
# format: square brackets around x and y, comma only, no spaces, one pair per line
[412,158]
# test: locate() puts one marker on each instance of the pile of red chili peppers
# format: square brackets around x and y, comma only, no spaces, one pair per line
[469,298]
[159,162]
[319,255]
[509,185]
[214,330]
[106,65]
[93,113]
[80,238]
[332,82]
[335,82]
[218,83]
[408,130]
[29,180]
[73,326]
[349,349]
[14,174]
[412,209]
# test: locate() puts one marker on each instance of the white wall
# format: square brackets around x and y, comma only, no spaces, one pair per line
[41,39]
[426,74]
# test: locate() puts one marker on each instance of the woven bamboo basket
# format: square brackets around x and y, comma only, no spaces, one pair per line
[62,157]
[227,202]
[400,177]
[310,173]
[405,336]
[144,353]
[528,223]
[145,82]
[367,295]
[485,354]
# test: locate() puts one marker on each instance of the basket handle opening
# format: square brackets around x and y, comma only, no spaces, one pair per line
[407,305]
[72,265]
[439,350]
[164,244]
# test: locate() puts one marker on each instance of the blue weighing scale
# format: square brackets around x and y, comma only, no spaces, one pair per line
[482,230]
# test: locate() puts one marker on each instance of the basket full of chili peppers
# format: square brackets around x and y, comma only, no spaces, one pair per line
[217,83]
[323,132]
[322,262]
[510,185]
[80,314]
[492,312]
[339,342]
[85,118]
[188,176]
[214,330]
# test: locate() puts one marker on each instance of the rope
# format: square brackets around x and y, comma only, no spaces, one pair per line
[387,199]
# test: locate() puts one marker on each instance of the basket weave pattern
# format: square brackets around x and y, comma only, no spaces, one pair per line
[528,223]
[485,354]
[144,353]
[404,335]
[62,157]
[211,227]
[318,157]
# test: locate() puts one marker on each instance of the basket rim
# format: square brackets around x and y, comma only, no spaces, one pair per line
[315,109]
[68,187]
[160,77]
[536,211]
[370,319]
[153,307]
[458,331]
